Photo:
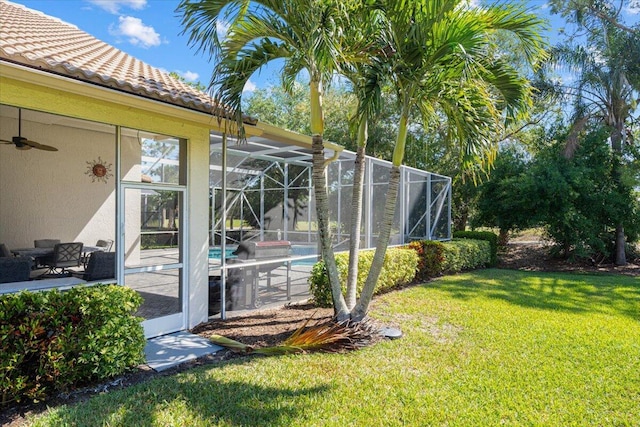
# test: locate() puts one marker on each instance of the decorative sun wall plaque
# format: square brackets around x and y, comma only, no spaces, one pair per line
[99,170]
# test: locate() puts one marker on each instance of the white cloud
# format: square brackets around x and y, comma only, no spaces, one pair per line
[633,8]
[222,27]
[249,86]
[113,6]
[189,75]
[138,33]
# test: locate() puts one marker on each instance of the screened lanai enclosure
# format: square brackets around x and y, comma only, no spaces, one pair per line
[263,233]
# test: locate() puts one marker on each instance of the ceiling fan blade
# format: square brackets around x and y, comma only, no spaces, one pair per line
[23,143]
[39,146]
[20,143]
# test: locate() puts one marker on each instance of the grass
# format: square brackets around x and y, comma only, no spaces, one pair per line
[488,348]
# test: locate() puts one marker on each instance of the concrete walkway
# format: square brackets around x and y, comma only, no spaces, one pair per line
[167,351]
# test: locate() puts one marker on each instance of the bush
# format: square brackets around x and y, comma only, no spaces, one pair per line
[54,341]
[430,258]
[399,269]
[492,238]
[465,254]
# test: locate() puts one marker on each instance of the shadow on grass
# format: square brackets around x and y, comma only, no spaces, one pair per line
[199,397]
[607,294]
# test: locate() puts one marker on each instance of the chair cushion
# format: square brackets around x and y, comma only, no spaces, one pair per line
[101,266]
[4,251]
[14,269]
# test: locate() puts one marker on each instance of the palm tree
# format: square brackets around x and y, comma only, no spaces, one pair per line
[446,64]
[438,55]
[308,35]
[605,90]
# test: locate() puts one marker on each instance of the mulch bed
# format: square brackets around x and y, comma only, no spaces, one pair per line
[270,327]
[535,257]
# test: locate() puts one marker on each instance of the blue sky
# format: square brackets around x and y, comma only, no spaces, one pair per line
[150,30]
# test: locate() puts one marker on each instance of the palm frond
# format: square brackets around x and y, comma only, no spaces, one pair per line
[326,336]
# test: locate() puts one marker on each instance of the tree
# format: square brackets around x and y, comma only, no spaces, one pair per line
[308,35]
[607,84]
[503,199]
[290,110]
[444,61]
[438,54]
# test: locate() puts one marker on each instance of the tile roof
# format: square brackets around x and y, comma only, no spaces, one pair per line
[31,38]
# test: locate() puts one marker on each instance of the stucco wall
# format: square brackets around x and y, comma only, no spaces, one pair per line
[51,195]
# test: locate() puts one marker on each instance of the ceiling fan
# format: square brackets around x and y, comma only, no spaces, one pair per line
[23,143]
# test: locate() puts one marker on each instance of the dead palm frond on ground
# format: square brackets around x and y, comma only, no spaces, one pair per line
[325,336]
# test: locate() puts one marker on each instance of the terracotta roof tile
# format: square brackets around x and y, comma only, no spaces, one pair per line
[31,38]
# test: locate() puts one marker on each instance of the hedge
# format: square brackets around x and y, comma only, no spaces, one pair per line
[465,254]
[431,255]
[399,269]
[55,341]
[492,238]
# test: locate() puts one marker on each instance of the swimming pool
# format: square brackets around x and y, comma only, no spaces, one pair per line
[296,250]
[214,253]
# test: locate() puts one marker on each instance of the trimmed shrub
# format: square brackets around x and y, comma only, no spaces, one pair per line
[54,341]
[490,237]
[399,269]
[465,254]
[430,258]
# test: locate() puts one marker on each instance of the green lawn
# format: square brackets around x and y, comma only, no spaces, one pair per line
[488,348]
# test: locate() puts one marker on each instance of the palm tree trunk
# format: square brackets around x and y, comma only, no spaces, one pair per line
[322,202]
[356,215]
[362,307]
[616,145]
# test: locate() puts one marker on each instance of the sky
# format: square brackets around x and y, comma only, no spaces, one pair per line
[150,31]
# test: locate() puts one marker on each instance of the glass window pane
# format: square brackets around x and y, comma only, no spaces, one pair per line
[151,158]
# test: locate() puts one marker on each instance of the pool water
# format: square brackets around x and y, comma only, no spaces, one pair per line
[214,253]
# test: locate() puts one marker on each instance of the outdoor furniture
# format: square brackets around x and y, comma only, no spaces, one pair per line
[101,266]
[4,251]
[32,252]
[88,250]
[14,269]
[65,255]
[45,243]
[105,244]
[34,255]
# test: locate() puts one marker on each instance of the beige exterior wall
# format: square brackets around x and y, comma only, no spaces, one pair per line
[75,208]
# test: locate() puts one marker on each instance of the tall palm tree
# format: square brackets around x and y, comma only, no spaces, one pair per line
[308,35]
[606,89]
[446,64]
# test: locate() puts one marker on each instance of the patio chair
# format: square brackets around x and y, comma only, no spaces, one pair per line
[4,251]
[14,269]
[40,262]
[65,255]
[45,243]
[101,266]
[106,244]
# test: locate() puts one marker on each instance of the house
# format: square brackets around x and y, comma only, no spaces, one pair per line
[98,145]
